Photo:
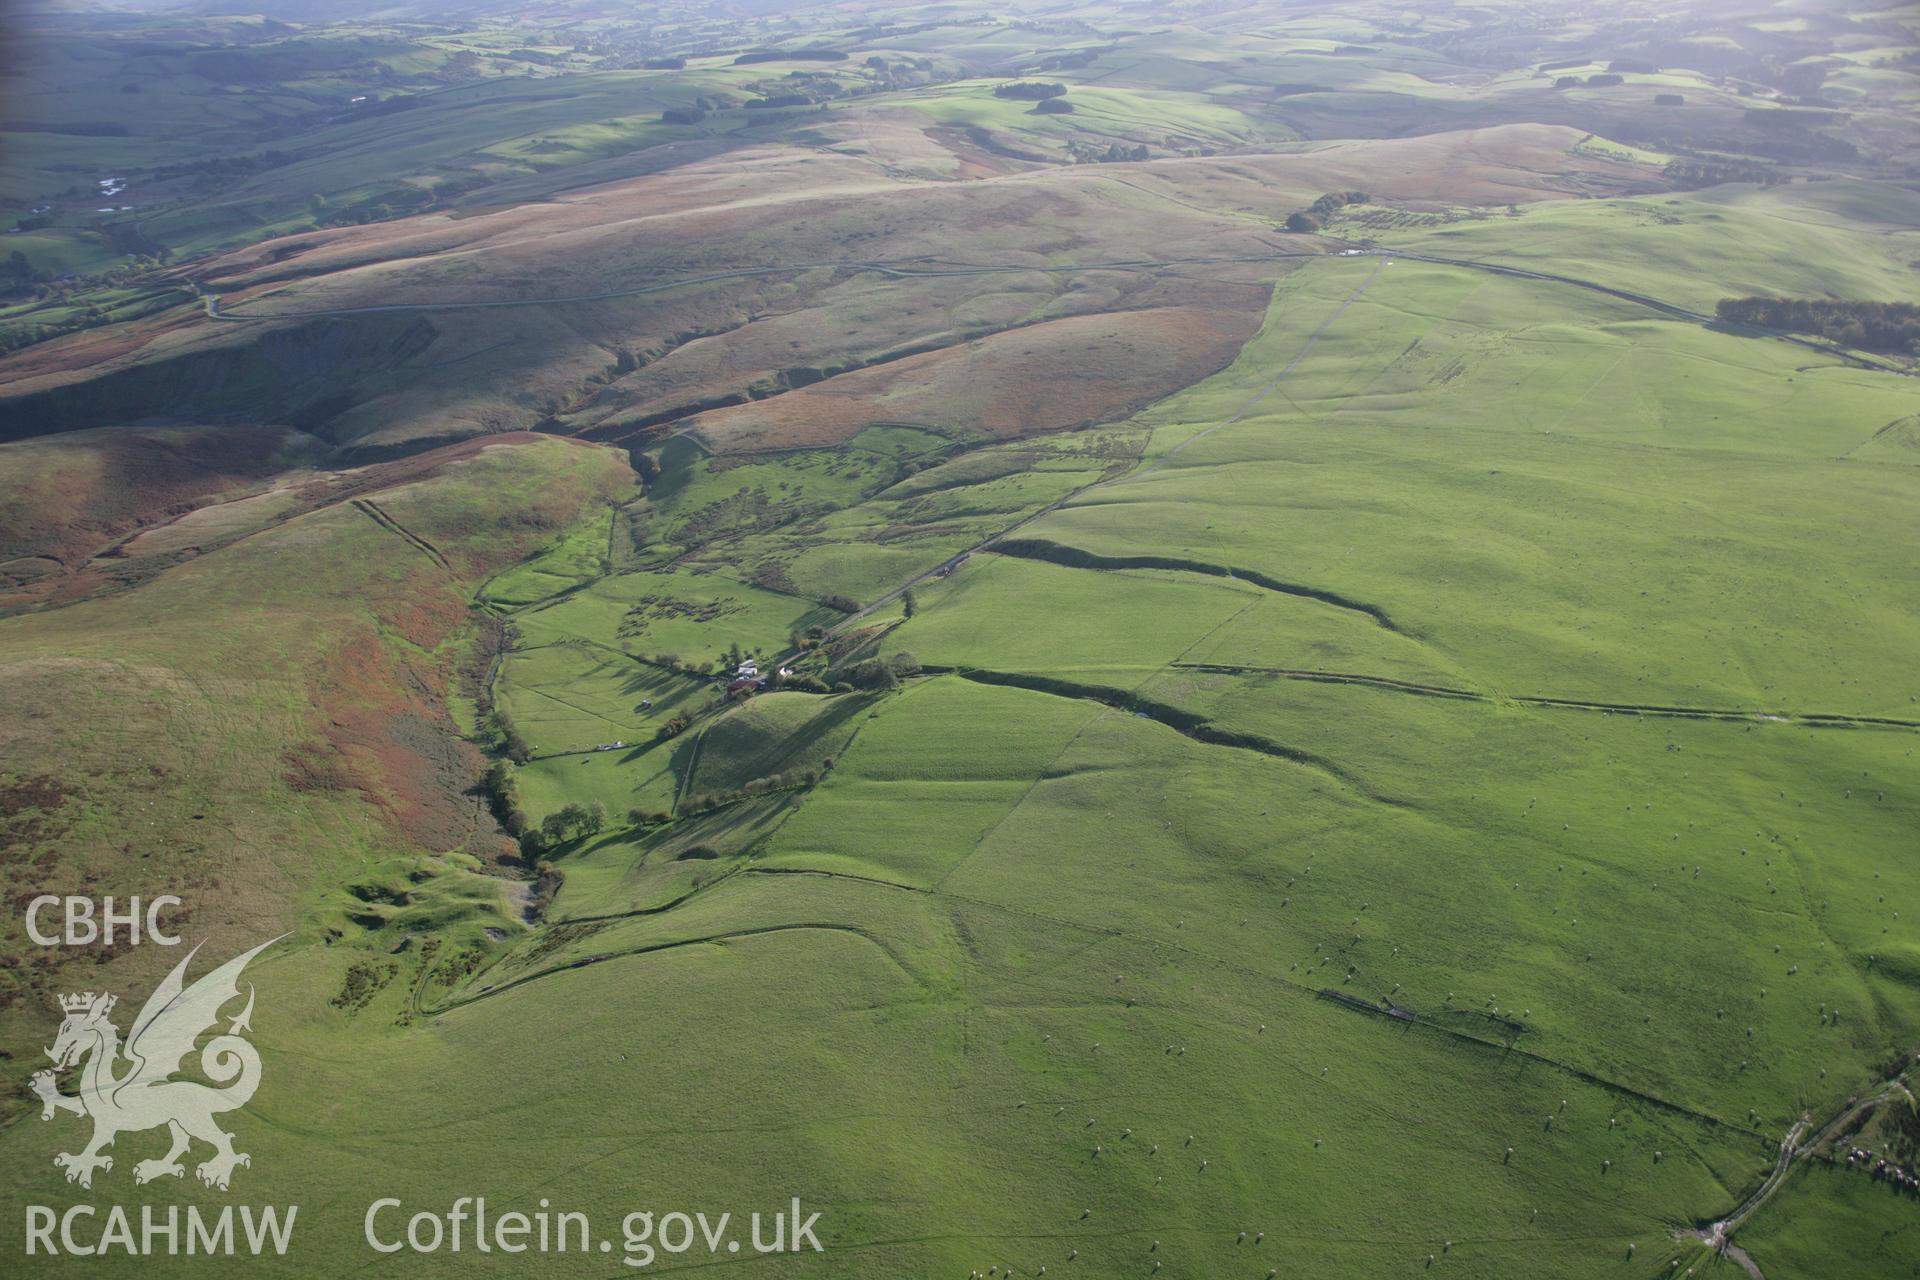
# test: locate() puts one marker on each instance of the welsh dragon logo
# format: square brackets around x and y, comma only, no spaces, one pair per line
[142,1094]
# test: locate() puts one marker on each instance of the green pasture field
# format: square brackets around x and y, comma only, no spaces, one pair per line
[774,734]
[1132,620]
[1315,745]
[690,615]
[941,506]
[642,775]
[1134,1005]
[1434,798]
[569,695]
[183,721]
[1696,248]
[1099,110]
[1607,434]
[578,558]
[871,548]
[700,498]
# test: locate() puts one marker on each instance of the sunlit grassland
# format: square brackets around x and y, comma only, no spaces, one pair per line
[871,548]
[1113,974]
[190,719]
[1099,110]
[1062,927]
[1131,622]
[579,556]
[779,733]
[1501,468]
[1575,870]
[1829,1217]
[568,696]
[1695,248]
[700,498]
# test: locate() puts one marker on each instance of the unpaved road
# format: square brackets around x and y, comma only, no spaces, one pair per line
[904,268]
[1792,1150]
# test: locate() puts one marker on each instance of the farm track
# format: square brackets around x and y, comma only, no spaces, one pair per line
[379,516]
[1338,677]
[684,783]
[1266,388]
[904,268]
[1719,1236]
[1809,719]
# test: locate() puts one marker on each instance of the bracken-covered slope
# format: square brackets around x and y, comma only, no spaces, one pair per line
[629,306]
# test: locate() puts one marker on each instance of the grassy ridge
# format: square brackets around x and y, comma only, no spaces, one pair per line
[253,725]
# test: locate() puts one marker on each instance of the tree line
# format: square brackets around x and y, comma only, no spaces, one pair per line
[1028,90]
[1314,216]
[1892,327]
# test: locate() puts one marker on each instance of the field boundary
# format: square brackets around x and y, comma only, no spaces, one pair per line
[1188,724]
[1805,719]
[1077,558]
[375,513]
